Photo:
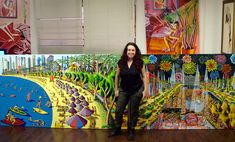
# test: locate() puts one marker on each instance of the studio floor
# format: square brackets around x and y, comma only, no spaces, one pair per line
[18,134]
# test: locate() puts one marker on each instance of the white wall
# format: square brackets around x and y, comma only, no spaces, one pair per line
[210,26]
[34,42]
[210,30]
[140,26]
[108,25]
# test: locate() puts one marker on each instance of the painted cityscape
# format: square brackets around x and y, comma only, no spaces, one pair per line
[77,91]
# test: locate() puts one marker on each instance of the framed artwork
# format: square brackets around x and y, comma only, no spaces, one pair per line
[228,27]
[8,8]
[159,4]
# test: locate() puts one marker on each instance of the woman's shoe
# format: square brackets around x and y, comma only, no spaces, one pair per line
[116,132]
[131,135]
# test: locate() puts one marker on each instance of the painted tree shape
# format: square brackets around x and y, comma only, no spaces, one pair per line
[77,78]
[68,76]
[109,93]
[107,89]
[85,79]
[82,78]
[93,82]
[73,78]
[84,61]
[107,63]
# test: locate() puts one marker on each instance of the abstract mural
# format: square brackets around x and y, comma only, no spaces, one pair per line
[15,27]
[172,26]
[77,91]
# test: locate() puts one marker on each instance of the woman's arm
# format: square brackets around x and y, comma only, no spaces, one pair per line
[145,80]
[117,82]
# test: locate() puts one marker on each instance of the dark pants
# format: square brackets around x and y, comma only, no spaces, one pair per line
[133,101]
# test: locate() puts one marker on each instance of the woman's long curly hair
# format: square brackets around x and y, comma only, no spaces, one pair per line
[137,60]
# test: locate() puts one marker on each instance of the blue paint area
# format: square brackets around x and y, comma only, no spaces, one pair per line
[13,92]
[2,52]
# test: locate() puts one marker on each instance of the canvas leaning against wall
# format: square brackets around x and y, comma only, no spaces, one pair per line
[172,26]
[76,91]
[15,27]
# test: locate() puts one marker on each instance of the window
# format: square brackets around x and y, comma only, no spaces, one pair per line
[60,22]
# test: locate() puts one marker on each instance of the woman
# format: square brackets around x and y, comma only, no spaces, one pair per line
[131,89]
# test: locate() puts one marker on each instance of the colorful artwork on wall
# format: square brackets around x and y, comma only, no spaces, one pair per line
[8,9]
[172,26]
[228,24]
[76,91]
[15,27]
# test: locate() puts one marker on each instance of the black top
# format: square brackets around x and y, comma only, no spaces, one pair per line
[131,80]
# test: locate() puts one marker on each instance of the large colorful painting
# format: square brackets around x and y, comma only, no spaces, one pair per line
[172,26]
[76,91]
[15,27]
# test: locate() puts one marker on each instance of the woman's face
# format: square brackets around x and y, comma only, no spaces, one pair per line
[131,51]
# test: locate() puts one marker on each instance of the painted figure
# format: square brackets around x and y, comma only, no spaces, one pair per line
[39,104]
[174,42]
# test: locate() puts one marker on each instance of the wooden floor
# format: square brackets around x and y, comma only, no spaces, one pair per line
[18,134]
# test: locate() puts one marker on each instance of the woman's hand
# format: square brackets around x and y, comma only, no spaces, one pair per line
[116,93]
[145,94]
